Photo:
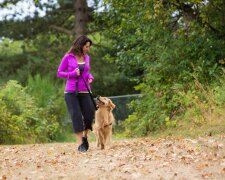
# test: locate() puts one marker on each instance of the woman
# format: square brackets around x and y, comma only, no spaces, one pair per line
[74,64]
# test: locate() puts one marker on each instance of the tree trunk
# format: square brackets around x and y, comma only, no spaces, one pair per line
[81,17]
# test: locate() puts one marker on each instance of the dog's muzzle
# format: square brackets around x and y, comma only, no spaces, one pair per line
[98,101]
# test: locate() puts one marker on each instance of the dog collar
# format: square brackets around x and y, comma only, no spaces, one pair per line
[108,125]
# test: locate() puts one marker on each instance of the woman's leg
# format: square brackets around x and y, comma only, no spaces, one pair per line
[79,137]
[73,106]
[86,133]
[88,111]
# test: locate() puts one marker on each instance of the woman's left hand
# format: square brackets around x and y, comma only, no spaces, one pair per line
[90,81]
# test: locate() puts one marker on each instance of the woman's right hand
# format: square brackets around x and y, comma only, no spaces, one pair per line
[77,71]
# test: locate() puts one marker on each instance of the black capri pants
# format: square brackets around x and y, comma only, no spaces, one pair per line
[81,110]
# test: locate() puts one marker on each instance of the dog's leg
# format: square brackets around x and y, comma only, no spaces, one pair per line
[108,137]
[98,143]
[96,133]
[98,139]
[102,140]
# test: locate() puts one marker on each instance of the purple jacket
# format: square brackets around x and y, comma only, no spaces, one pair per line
[67,70]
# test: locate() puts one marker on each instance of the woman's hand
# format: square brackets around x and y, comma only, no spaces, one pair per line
[90,81]
[77,71]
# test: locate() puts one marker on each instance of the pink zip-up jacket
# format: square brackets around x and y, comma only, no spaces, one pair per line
[67,70]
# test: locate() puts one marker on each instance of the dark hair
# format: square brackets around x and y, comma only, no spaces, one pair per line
[78,44]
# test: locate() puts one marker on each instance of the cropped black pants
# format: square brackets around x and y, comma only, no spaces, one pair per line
[81,110]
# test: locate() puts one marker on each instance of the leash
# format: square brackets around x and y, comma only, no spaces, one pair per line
[92,99]
[76,95]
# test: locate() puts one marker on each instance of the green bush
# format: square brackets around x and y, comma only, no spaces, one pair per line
[42,89]
[21,120]
[192,107]
[48,95]
[220,93]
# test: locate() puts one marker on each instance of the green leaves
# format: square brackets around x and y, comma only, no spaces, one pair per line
[167,46]
[21,120]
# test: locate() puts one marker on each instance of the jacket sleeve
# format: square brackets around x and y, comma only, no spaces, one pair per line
[63,69]
[90,76]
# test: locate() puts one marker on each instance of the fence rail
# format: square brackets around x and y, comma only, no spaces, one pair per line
[121,112]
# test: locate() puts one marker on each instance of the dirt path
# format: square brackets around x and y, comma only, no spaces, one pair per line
[143,158]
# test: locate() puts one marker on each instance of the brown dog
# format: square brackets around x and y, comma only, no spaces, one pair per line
[103,121]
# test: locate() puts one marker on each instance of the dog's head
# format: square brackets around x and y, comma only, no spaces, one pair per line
[105,102]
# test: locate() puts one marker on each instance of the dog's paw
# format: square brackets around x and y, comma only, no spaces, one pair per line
[102,146]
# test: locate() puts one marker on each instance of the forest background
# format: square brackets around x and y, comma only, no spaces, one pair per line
[172,52]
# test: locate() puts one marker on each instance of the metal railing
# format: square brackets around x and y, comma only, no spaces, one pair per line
[122,111]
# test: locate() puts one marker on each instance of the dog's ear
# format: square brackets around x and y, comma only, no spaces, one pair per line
[111,104]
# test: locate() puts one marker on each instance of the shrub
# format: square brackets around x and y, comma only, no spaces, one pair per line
[21,120]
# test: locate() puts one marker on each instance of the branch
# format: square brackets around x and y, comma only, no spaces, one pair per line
[195,15]
[8,2]
[174,23]
[61,29]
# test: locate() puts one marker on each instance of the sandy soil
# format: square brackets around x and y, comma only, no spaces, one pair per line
[143,158]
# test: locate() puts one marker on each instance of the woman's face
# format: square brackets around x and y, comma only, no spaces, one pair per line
[86,47]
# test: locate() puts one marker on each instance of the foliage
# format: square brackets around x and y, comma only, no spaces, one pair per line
[170,48]
[21,58]
[109,80]
[48,95]
[22,121]
[191,108]
[33,23]
[219,90]
[41,89]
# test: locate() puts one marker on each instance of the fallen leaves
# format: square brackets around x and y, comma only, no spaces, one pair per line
[141,158]
[223,170]
[207,175]
[4,177]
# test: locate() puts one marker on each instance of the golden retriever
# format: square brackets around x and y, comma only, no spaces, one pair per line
[104,120]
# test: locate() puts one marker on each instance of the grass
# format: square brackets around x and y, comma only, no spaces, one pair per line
[182,131]
[65,137]
[185,130]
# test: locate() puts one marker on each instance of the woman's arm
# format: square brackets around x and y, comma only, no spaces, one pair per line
[63,69]
[90,76]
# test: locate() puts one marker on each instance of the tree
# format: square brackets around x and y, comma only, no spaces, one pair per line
[171,48]
[81,14]
[58,19]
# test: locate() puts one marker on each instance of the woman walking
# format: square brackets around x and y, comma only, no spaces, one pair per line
[74,64]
